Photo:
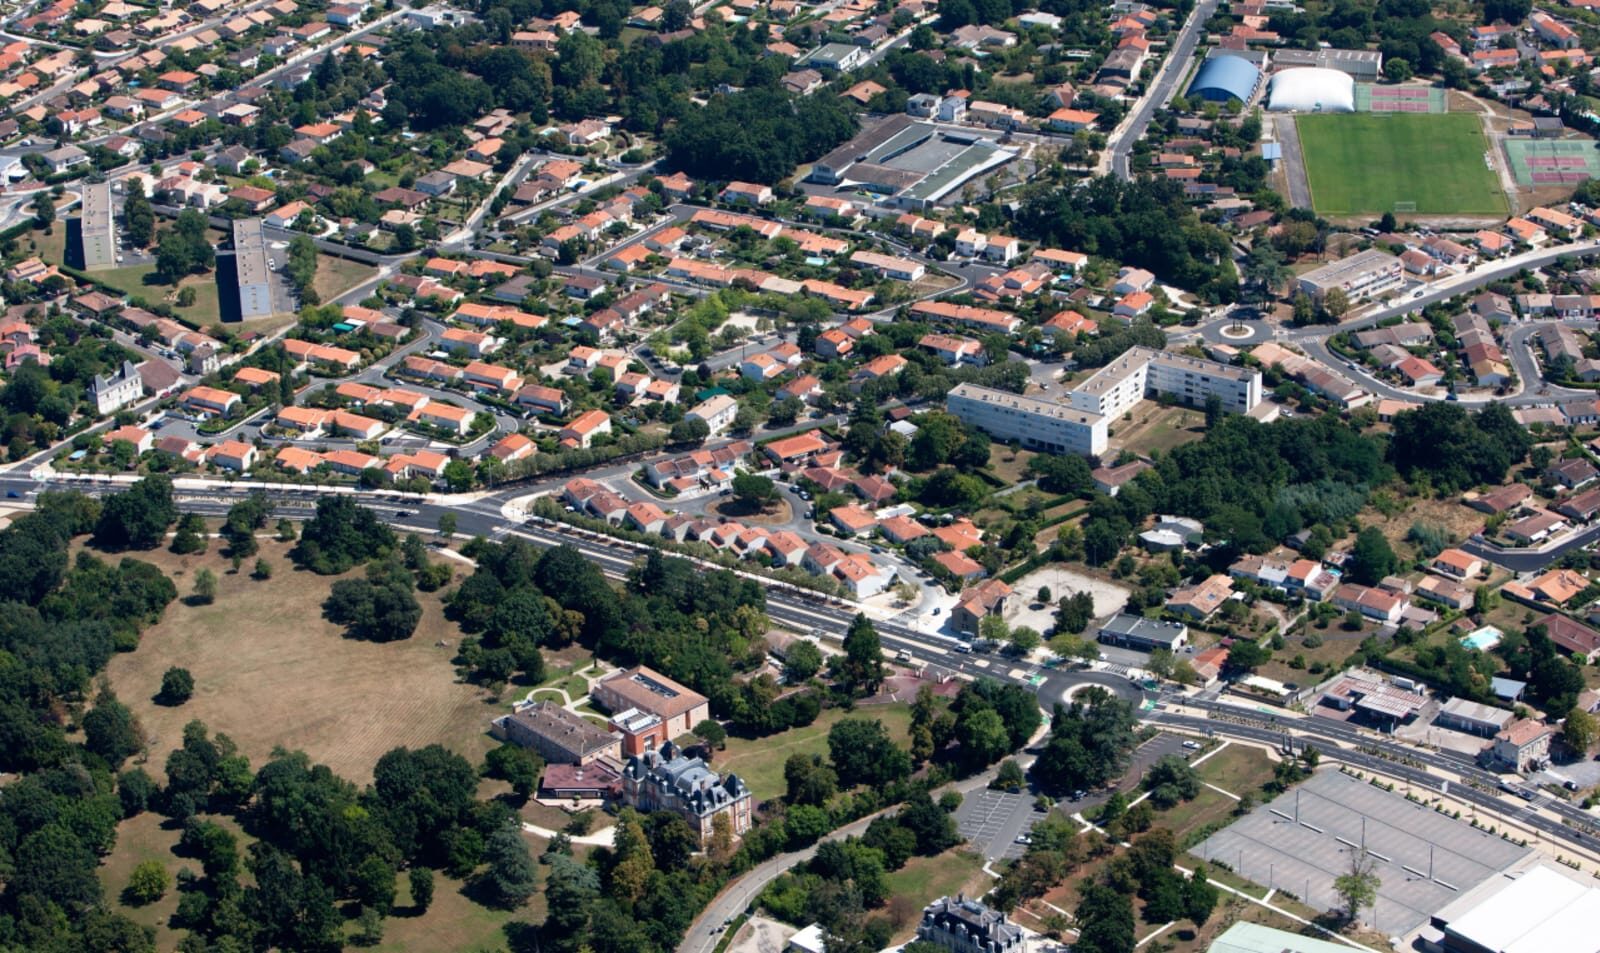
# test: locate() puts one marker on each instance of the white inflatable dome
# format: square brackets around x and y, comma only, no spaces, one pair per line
[1311,89]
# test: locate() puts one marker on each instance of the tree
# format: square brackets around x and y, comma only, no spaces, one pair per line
[689,430]
[516,764]
[148,883]
[185,248]
[1074,612]
[138,218]
[1245,656]
[862,752]
[1579,730]
[862,668]
[1358,886]
[263,570]
[1396,70]
[111,731]
[1024,640]
[512,874]
[205,588]
[177,686]
[1199,897]
[190,536]
[801,661]
[982,735]
[1104,920]
[447,524]
[44,210]
[1371,559]
[711,733]
[138,517]
[1335,302]
[421,879]
[754,491]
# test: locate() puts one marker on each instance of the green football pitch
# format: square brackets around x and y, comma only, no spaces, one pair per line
[1371,163]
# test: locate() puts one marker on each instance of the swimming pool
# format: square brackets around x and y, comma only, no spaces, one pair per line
[1482,639]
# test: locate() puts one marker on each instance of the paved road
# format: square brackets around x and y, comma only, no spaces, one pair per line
[805,610]
[1294,167]
[1160,92]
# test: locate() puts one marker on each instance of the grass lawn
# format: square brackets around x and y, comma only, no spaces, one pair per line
[269,671]
[337,275]
[1238,769]
[925,879]
[152,837]
[759,761]
[454,922]
[1434,161]
[1009,465]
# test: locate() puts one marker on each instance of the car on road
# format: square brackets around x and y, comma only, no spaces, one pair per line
[964,649]
[1079,794]
[1024,839]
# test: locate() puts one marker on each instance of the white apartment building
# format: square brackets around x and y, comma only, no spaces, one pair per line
[717,411]
[1080,423]
[1366,274]
[1038,424]
[1144,371]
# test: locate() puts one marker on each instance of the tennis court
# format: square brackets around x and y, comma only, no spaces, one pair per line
[1537,162]
[1399,99]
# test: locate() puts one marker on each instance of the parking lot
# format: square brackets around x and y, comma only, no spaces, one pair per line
[991,821]
[1304,839]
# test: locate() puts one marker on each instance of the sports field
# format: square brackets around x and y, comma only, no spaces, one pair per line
[1371,163]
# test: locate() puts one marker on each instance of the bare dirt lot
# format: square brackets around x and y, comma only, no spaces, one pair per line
[1108,596]
[269,671]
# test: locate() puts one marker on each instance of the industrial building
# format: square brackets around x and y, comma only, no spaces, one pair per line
[1223,78]
[1311,90]
[250,264]
[97,230]
[1363,66]
[1366,274]
[1537,908]
[911,164]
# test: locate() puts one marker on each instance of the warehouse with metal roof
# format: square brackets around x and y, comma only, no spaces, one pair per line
[1221,78]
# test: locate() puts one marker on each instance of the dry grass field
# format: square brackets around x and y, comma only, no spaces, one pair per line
[270,672]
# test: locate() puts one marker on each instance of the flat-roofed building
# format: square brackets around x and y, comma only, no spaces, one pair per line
[1364,66]
[97,231]
[1036,423]
[250,264]
[1536,909]
[1366,274]
[648,691]
[1461,714]
[1143,371]
[1146,635]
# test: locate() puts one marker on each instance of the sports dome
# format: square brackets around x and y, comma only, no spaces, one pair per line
[1222,78]
[1311,89]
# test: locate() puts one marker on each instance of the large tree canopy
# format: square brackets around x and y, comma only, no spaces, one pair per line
[757,135]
